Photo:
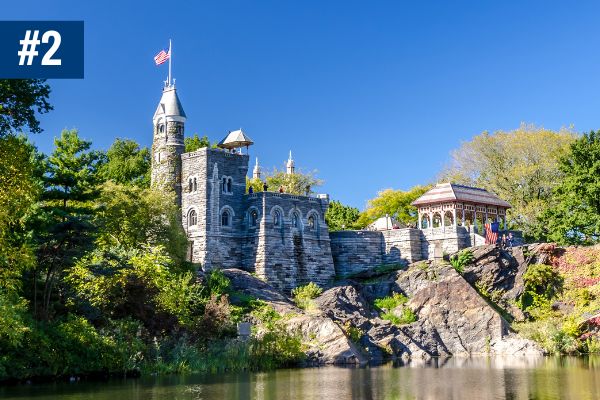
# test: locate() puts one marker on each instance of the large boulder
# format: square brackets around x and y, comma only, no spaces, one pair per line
[326,341]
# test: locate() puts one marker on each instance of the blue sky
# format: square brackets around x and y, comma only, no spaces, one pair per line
[371,94]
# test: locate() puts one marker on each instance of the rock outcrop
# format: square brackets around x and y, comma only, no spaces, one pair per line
[453,318]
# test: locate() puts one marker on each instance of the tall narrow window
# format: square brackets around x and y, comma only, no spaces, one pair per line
[295,220]
[190,185]
[253,217]
[277,218]
[225,218]
[192,218]
[229,185]
[195,185]
[311,222]
[224,189]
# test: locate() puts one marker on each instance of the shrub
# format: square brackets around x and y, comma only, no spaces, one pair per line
[390,302]
[460,260]
[406,317]
[552,334]
[353,333]
[541,284]
[303,295]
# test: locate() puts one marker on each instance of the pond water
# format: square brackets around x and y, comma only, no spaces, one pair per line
[454,378]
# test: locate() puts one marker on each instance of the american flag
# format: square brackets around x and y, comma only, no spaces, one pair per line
[491,233]
[162,57]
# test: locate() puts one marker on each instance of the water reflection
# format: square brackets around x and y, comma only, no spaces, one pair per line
[453,378]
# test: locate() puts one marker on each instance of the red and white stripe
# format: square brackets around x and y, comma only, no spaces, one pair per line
[161,57]
[490,237]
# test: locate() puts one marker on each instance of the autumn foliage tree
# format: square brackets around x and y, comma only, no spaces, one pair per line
[520,166]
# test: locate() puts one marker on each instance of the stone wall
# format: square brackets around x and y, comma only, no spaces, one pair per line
[449,239]
[358,251]
[402,245]
[284,254]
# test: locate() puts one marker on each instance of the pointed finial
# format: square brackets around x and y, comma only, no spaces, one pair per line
[290,166]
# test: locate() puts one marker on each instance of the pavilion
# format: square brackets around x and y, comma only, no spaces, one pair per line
[452,205]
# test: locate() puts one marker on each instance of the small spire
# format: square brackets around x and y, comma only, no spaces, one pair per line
[256,170]
[290,165]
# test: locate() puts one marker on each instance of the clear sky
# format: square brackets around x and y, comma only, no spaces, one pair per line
[372,94]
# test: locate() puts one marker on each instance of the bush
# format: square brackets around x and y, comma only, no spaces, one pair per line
[390,302]
[460,260]
[541,284]
[303,295]
[552,334]
[406,317]
[353,333]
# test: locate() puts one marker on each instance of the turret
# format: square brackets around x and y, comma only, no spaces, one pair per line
[167,145]
[290,165]
[256,170]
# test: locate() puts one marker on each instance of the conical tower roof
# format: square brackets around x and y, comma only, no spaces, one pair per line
[169,105]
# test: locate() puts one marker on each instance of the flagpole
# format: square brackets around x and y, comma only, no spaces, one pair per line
[170,57]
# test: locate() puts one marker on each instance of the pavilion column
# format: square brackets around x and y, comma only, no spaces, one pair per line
[454,217]
[443,218]
[463,215]
[420,221]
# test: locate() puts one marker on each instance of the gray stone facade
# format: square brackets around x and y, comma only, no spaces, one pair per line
[282,238]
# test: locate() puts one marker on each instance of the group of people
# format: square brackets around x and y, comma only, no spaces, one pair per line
[506,240]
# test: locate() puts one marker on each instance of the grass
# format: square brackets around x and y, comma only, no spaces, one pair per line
[303,295]
[387,305]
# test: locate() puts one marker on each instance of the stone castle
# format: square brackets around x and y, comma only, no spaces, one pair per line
[284,238]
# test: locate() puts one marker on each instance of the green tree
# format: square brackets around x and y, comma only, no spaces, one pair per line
[395,203]
[299,183]
[142,283]
[132,217]
[575,216]
[339,216]
[195,142]
[520,166]
[20,188]
[66,230]
[127,163]
[256,184]
[20,99]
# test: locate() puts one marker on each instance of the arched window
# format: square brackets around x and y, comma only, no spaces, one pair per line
[192,218]
[311,222]
[277,218]
[190,185]
[229,185]
[295,220]
[195,185]
[225,218]
[253,217]
[224,188]
[161,128]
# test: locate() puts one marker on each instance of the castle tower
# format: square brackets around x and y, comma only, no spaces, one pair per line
[256,170]
[291,166]
[167,144]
